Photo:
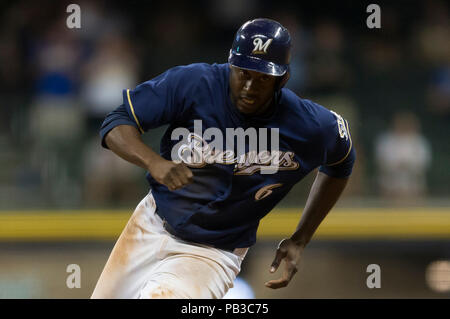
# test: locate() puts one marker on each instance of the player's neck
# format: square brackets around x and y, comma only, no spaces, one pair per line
[268,109]
[262,112]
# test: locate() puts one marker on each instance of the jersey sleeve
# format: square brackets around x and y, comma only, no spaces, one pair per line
[339,151]
[161,100]
[115,118]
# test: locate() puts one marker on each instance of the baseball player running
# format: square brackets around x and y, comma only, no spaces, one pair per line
[188,237]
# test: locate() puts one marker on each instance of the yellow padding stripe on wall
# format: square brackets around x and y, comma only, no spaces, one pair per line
[424,223]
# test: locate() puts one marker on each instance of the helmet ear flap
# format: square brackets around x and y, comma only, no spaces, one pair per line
[282,82]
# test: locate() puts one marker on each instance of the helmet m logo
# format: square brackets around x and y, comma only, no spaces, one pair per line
[261,48]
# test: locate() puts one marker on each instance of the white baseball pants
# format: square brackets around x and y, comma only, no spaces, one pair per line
[148,262]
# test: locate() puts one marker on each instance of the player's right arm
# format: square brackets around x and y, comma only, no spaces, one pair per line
[151,104]
[126,142]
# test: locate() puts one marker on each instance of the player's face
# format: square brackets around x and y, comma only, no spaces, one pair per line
[251,92]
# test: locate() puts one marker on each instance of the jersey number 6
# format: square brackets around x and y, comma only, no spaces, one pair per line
[265,191]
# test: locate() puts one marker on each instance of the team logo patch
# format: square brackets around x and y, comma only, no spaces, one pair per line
[197,153]
[260,46]
[343,132]
[248,150]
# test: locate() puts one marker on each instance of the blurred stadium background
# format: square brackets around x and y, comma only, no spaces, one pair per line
[64,200]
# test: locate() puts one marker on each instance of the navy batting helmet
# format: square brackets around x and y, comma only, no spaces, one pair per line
[262,45]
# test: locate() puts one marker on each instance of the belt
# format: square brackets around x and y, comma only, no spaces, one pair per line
[170,230]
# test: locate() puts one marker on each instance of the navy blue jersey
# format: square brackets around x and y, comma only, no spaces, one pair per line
[224,204]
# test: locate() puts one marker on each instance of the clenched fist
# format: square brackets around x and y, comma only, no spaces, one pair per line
[171,174]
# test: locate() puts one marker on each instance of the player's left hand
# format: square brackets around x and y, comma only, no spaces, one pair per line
[290,252]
